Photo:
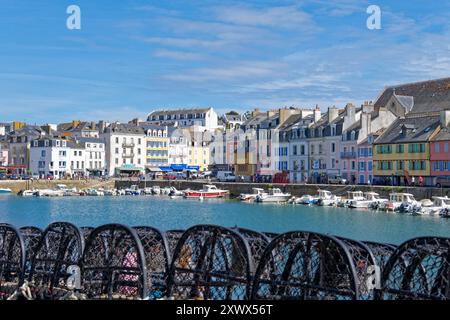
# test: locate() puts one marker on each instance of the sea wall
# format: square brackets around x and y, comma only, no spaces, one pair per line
[18,185]
[236,188]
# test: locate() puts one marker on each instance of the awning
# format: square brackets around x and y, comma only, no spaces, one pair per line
[153,169]
[165,169]
[193,168]
[178,167]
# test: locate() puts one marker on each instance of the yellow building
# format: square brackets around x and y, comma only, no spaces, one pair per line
[199,155]
[157,146]
[403,151]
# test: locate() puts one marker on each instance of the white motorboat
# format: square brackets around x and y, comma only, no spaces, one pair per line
[94,193]
[49,193]
[371,200]
[133,191]
[208,191]
[156,190]
[436,206]
[27,193]
[110,192]
[251,196]
[398,200]
[165,191]
[326,198]
[5,190]
[174,193]
[352,196]
[305,199]
[147,191]
[274,195]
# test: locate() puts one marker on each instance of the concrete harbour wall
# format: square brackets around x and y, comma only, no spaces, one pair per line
[295,189]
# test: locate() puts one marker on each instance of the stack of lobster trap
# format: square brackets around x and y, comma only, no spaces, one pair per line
[208,262]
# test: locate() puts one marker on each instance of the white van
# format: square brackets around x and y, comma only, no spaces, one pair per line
[226,176]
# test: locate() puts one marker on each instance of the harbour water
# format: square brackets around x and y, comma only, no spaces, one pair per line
[167,214]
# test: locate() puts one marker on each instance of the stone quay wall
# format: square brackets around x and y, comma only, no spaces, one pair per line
[298,190]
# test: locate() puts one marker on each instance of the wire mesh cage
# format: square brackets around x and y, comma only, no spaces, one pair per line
[382,252]
[257,242]
[367,269]
[173,236]
[211,263]
[60,247]
[418,270]
[305,266]
[31,237]
[12,260]
[113,265]
[86,231]
[157,260]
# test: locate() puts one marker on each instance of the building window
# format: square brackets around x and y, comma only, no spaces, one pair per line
[43,153]
[437,147]
[333,147]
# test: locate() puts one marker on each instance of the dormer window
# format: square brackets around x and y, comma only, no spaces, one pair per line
[47,143]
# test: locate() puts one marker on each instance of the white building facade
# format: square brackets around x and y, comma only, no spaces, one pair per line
[50,158]
[125,149]
[95,156]
[206,118]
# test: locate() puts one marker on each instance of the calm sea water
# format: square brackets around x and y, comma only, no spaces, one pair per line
[166,214]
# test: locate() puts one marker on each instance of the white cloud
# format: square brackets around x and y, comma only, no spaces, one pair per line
[177,55]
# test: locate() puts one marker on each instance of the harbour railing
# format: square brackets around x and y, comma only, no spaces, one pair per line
[209,262]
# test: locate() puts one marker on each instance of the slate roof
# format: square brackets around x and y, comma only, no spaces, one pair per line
[443,135]
[410,129]
[429,96]
[124,129]
[177,111]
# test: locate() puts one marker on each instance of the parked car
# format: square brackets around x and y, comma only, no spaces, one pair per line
[14,177]
[226,176]
[3,176]
[170,176]
[442,182]
[336,180]
[206,174]
[26,177]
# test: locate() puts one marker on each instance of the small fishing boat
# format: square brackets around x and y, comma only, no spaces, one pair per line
[351,196]
[274,195]
[251,196]
[405,201]
[133,191]
[326,198]
[110,192]
[436,206]
[5,190]
[49,193]
[371,200]
[27,193]
[305,199]
[94,193]
[156,190]
[174,193]
[147,191]
[165,191]
[208,191]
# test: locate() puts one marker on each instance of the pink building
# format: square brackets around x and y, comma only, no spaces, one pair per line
[440,155]
[4,152]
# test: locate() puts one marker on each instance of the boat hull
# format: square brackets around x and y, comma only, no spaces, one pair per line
[205,194]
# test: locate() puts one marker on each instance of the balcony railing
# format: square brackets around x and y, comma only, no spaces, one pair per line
[128,145]
[131,155]
[348,155]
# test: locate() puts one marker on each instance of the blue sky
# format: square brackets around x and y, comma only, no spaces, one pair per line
[134,56]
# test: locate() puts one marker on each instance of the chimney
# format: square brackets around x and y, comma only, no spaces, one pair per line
[368,107]
[445,118]
[333,113]
[317,113]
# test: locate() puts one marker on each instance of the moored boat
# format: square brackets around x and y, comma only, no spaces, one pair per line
[5,190]
[438,205]
[251,196]
[208,191]
[371,200]
[274,195]
[326,198]
[174,193]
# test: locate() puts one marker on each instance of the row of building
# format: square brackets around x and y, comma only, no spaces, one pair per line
[403,134]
